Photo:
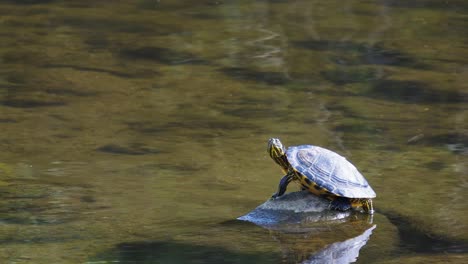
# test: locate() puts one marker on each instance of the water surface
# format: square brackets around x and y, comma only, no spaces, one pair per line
[136,131]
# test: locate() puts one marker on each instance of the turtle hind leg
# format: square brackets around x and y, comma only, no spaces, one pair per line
[340,204]
[367,206]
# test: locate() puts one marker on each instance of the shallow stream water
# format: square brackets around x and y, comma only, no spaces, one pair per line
[135,131]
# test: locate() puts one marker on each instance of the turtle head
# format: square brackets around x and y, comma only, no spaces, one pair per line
[278,153]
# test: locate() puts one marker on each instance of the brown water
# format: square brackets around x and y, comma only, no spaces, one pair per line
[135,131]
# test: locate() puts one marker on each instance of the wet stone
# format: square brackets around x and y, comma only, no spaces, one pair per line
[295,207]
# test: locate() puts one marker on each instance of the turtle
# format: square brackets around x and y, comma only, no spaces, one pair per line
[323,173]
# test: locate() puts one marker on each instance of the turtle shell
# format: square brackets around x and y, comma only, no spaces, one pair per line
[330,171]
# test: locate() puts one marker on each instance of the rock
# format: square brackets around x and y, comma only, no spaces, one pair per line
[293,208]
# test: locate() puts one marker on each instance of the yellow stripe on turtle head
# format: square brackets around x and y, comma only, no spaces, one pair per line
[278,153]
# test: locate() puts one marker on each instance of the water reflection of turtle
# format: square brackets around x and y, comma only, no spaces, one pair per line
[324,173]
[342,252]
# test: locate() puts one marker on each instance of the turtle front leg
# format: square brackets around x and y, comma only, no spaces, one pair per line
[284,184]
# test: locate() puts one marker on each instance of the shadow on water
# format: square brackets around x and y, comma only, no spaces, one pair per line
[403,91]
[161,55]
[134,149]
[27,2]
[253,111]
[179,252]
[122,74]
[37,240]
[106,25]
[23,91]
[8,120]
[352,53]
[428,4]
[68,92]
[445,139]
[30,103]
[199,126]
[294,248]
[413,92]
[455,142]
[244,74]
[350,75]
[359,127]
[251,107]
[413,239]
[45,95]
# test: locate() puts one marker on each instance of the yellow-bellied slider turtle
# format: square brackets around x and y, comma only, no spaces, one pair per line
[324,173]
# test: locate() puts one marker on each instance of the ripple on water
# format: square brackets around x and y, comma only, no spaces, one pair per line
[161,55]
[29,2]
[30,103]
[349,75]
[265,77]
[42,204]
[134,149]
[455,142]
[413,92]
[355,53]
